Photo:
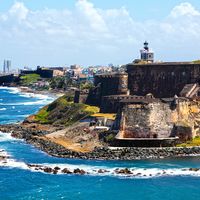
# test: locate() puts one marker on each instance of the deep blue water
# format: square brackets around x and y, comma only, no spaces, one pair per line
[18,183]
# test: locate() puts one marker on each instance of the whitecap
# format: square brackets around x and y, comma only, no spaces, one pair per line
[37,96]
[41,98]
[6,137]
[1,109]
[39,102]
[143,173]
[11,163]
[135,172]
[12,90]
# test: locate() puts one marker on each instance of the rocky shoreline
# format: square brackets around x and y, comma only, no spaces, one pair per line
[126,153]
[56,169]
[33,136]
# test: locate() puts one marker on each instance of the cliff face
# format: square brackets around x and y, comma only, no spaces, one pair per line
[161,120]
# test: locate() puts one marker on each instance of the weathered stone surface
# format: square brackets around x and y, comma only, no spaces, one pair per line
[161,79]
[158,119]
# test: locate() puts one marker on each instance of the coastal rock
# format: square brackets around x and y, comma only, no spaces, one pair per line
[66,171]
[194,169]
[48,170]
[79,171]
[123,171]
[101,171]
[56,168]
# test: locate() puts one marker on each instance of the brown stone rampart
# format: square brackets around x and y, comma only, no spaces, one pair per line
[161,79]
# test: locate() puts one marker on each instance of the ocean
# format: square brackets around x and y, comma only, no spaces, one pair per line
[18,182]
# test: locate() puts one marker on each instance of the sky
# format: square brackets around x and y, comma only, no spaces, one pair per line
[97,32]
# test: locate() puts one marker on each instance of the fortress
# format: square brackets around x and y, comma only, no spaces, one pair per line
[161,79]
[145,78]
[153,100]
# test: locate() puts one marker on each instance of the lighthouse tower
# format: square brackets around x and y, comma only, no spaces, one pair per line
[147,54]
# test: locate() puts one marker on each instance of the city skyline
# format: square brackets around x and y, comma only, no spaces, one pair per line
[97,32]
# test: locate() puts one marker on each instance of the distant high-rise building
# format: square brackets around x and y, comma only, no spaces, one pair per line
[6,66]
[146,53]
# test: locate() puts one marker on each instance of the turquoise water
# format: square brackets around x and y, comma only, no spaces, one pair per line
[16,182]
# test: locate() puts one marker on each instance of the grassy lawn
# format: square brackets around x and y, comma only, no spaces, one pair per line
[193,142]
[196,61]
[29,79]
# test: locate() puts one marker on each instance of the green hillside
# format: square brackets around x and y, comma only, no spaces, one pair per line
[64,112]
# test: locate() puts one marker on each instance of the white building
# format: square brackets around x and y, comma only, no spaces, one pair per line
[146,53]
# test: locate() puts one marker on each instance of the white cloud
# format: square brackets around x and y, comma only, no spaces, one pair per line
[91,14]
[184,9]
[19,10]
[91,35]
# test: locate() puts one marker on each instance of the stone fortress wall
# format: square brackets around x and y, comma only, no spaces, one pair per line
[112,84]
[106,85]
[144,103]
[154,101]
[158,119]
[161,79]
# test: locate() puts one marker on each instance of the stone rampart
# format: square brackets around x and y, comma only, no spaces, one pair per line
[157,119]
[161,79]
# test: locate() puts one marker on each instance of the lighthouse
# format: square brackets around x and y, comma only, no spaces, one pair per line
[147,54]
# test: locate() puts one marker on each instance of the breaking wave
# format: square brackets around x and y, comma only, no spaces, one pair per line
[11,163]
[40,98]
[2,109]
[12,90]
[39,102]
[6,137]
[33,95]
[103,171]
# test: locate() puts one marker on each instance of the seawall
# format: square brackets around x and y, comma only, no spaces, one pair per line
[99,153]
[115,153]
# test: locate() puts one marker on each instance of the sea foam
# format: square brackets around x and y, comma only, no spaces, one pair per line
[144,173]
[6,137]
[41,99]
[12,90]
